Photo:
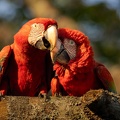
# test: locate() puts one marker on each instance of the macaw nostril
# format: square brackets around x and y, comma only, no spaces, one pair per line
[46,42]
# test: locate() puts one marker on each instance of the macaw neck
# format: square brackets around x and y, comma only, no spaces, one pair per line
[75,67]
[26,52]
[22,47]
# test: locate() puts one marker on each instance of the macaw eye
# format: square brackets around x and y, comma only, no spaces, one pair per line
[34,25]
[71,42]
[71,48]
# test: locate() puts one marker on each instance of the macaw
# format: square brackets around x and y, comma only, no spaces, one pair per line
[76,70]
[25,66]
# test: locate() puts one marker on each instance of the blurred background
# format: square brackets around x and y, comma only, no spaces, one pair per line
[98,19]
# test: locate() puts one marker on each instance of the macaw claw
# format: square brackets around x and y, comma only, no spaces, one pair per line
[45,96]
[58,94]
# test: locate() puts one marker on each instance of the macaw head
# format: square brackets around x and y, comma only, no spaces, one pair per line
[40,33]
[72,49]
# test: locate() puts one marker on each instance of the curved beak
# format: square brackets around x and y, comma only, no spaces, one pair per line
[48,39]
[51,35]
[59,54]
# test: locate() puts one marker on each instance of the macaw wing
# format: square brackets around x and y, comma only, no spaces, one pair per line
[104,75]
[4,56]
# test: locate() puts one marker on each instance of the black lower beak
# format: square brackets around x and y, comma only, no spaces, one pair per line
[62,56]
[42,44]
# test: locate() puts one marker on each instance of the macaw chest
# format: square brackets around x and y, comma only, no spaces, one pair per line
[79,84]
[26,78]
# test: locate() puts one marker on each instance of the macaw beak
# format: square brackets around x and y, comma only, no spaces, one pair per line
[49,39]
[51,35]
[59,53]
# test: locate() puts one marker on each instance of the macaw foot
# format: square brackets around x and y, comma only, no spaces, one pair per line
[45,96]
[57,94]
[56,87]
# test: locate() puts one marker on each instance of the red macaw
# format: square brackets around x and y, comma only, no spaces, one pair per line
[76,70]
[25,68]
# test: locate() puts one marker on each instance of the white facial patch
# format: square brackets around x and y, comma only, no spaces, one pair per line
[36,33]
[70,47]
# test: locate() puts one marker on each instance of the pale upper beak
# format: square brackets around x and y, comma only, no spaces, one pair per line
[49,39]
[51,34]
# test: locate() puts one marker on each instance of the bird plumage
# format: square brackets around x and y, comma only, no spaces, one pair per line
[81,73]
[28,69]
